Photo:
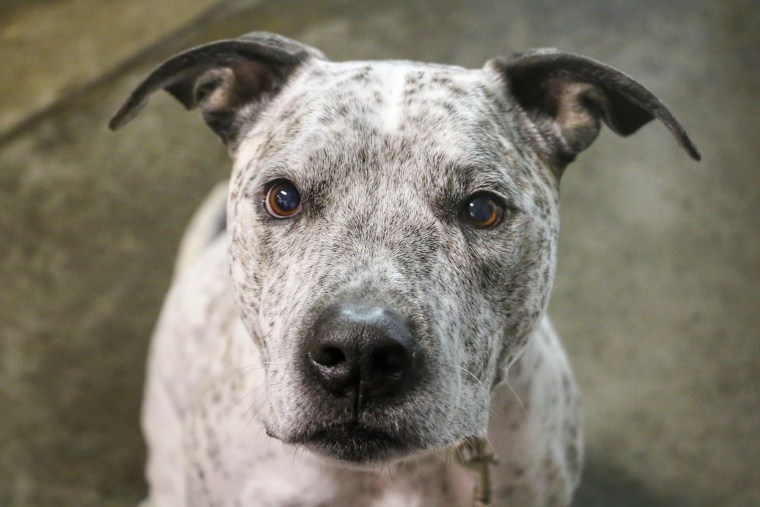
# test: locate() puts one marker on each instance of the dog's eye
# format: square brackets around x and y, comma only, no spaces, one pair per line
[483,210]
[282,200]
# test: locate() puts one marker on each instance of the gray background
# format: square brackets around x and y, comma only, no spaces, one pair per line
[658,288]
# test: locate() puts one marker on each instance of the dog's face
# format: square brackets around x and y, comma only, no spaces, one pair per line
[388,161]
[392,226]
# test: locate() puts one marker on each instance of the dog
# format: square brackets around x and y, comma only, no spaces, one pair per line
[368,297]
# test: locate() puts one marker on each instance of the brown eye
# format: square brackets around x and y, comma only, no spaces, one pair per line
[483,210]
[282,200]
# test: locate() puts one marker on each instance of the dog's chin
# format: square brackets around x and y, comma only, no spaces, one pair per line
[357,445]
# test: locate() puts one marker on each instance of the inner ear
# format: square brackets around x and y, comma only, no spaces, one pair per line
[220,92]
[578,107]
[575,107]
[235,85]
[232,85]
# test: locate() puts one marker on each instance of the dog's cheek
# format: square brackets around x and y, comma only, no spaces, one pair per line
[506,290]
[270,317]
[530,285]
[459,318]
[251,253]
[247,268]
[278,303]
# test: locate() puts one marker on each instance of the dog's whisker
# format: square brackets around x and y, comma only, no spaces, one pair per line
[262,365]
[390,473]
[377,476]
[479,381]
[245,419]
[250,414]
[251,392]
[295,451]
[517,396]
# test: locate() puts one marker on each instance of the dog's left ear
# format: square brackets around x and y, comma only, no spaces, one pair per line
[222,79]
[567,95]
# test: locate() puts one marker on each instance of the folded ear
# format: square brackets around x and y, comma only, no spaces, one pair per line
[222,79]
[567,96]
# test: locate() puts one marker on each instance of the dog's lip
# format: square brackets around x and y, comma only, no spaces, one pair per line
[348,429]
[355,442]
[353,428]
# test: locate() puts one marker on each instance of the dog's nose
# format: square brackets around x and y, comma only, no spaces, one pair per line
[367,351]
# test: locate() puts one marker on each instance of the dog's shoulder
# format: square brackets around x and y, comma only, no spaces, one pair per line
[536,425]
[198,323]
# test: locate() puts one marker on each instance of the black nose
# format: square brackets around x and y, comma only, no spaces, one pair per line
[362,350]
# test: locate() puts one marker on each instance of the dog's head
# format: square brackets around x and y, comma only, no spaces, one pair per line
[392,225]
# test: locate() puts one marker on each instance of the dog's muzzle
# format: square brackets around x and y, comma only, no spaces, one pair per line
[360,363]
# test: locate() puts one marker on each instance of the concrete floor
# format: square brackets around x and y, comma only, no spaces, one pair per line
[658,288]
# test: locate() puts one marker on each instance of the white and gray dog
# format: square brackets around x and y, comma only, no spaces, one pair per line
[375,295]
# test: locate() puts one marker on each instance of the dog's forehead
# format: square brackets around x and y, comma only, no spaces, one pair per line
[399,95]
[389,121]
[431,106]
[394,79]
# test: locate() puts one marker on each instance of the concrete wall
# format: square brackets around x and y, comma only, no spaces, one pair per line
[658,289]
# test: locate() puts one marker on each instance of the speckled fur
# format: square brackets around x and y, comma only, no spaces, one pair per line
[382,153]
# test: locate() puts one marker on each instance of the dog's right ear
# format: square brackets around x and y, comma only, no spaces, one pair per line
[223,79]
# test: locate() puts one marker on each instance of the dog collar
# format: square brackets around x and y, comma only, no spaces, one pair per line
[475,455]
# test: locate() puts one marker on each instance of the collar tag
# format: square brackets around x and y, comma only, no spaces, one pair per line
[474,454]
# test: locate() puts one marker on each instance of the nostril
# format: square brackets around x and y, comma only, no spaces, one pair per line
[328,356]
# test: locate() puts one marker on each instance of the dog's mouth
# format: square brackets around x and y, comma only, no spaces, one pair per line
[358,443]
